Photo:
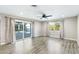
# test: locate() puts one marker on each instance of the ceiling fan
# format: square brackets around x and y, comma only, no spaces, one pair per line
[45,16]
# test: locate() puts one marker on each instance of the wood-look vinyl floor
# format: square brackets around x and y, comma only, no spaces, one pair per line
[41,45]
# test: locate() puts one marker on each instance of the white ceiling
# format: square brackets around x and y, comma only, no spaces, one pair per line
[27,11]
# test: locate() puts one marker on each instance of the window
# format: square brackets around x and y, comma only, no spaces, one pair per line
[53,26]
[18,26]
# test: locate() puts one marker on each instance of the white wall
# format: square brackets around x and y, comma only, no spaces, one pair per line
[78,30]
[44,29]
[2,30]
[70,28]
[36,29]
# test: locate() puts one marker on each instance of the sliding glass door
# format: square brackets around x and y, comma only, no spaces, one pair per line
[19,30]
[27,30]
[23,30]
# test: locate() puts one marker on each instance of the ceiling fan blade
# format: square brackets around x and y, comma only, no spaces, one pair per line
[49,16]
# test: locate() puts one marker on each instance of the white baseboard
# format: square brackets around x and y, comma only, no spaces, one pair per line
[5,43]
[71,39]
[2,43]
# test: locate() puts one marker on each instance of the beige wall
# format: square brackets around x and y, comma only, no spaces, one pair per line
[70,28]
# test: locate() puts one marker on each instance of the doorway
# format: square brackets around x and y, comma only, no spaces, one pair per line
[22,29]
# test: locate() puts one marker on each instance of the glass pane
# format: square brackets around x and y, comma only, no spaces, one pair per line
[19,30]
[53,26]
[27,30]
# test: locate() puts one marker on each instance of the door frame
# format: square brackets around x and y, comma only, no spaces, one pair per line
[23,21]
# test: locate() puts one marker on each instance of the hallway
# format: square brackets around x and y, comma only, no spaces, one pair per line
[41,45]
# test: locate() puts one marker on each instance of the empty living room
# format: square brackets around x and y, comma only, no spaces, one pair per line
[39,29]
